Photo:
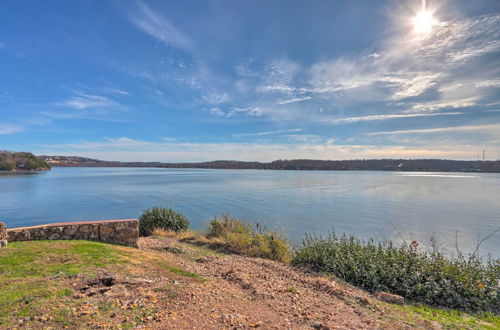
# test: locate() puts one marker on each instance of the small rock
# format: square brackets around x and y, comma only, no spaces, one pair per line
[319,326]
[390,298]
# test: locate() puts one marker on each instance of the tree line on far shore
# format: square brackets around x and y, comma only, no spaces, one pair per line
[437,165]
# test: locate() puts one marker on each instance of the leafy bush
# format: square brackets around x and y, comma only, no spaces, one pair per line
[161,218]
[236,236]
[462,283]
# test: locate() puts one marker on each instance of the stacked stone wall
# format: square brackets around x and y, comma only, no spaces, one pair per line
[122,232]
[3,235]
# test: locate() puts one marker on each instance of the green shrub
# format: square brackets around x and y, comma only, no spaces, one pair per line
[239,237]
[462,283]
[161,218]
[225,225]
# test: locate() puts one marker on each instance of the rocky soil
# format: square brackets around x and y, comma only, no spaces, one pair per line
[239,292]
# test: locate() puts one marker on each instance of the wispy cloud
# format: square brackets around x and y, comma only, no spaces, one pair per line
[305,138]
[160,27]
[294,100]
[10,128]
[439,105]
[83,101]
[292,130]
[409,75]
[390,116]
[117,91]
[217,111]
[465,128]
[216,98]
[253,111]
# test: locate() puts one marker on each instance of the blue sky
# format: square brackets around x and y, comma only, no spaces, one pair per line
[249,80]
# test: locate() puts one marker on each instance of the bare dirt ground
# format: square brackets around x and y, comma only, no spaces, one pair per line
[237,292]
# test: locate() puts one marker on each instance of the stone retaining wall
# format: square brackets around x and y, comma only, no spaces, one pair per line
[3,235]
[122,232]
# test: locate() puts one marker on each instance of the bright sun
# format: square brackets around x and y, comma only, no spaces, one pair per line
[423,22]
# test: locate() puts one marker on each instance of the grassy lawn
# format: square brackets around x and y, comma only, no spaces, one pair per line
[39,283]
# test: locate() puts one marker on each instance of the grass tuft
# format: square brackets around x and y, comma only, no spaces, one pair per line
[234,235]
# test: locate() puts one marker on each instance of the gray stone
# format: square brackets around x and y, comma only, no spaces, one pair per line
[3,234]
[105,230]
[84,229]
[54,236]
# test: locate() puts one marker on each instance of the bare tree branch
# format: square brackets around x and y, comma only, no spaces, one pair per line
[484,239]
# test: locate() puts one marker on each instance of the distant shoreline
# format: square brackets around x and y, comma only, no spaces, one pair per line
[260,169]
[395,165]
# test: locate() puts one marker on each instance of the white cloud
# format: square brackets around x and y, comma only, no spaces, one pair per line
[488,83]
[276,88]
[117,91]
[280,71]
[304,138]
[412,84]
[83,101]
[292,130]
[252,111]
[217,111]
[295,100]
[10,129]
[494,128]
[159,27]
[275,72]
[216,98]
[438,105]
[389,116]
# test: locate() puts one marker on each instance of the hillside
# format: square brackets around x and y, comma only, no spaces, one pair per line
[439,165]
[169,284]
[21,161]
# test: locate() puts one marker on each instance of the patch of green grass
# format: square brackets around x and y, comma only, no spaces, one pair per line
[49,258]
[62,317]
[25,298]
[182,272]
[451,319]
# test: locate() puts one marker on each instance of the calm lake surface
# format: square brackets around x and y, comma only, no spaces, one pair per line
[396,205]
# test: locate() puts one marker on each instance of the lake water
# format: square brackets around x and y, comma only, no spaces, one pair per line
[369,204]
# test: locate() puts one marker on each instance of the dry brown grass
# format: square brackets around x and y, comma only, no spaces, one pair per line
[228,234]
[164,233]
